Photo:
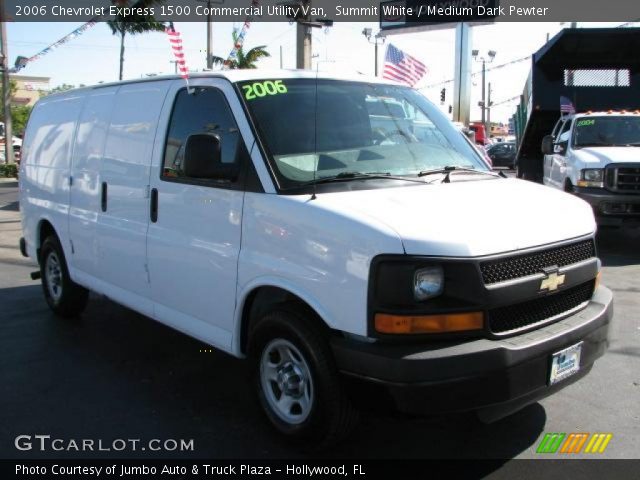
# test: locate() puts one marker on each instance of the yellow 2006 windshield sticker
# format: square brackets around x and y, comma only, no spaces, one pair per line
[262,89]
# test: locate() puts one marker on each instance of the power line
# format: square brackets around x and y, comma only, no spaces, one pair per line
[508,100]
[474,74]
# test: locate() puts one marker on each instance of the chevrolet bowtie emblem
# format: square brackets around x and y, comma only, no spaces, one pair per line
[552,282]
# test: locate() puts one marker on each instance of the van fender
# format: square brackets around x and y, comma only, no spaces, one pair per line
[38,240]
[277,282]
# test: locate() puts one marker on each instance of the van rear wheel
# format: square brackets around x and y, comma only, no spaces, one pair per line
[65,297]
[297,383]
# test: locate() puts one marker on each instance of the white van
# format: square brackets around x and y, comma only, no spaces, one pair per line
[596,155]
[262,214]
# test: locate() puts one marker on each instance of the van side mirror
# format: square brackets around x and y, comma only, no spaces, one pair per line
[547,145]
[202,159]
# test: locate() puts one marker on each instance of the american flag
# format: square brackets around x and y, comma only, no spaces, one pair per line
[400,67]
[566,106]
[176,45]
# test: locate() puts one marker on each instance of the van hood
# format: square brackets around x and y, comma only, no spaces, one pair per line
[468,218]
[595,157]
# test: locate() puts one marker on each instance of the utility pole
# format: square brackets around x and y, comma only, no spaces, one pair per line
[209,34]
[488,125]
[209,39]
[175,65]
[281,57]
[484,103]
[6,88]
[304,24]
[303,41]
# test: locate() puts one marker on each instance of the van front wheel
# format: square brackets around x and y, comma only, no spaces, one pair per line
[298,385]
[65,297]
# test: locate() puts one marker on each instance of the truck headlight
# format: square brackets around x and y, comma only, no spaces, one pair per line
[591,177]
[428,282]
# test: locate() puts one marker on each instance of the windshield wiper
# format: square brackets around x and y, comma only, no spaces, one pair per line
[345,176]
[454,168]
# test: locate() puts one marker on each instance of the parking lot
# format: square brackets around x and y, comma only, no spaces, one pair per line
[116,374]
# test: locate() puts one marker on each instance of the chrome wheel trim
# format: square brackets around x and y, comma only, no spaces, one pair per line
[53,272]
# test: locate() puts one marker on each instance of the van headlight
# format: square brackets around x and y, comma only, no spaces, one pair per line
[428,282]
[591,177]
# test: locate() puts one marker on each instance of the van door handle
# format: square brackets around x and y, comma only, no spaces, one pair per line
[103,197]
[153,205]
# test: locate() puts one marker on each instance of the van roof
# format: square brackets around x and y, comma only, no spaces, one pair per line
[241,75]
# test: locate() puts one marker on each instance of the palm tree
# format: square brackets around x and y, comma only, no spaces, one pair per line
[243,60]
[133,24]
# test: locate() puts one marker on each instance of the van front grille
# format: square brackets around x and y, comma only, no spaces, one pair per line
[508,268]
[539,310]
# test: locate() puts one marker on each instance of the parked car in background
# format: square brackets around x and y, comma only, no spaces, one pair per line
[503,154]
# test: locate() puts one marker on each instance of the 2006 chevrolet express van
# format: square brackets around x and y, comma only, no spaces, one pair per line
[342,250]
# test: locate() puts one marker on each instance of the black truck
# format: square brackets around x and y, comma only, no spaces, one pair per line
[596,69]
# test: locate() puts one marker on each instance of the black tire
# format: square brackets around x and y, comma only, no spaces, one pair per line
[568,186]
[65,297]
[331,416]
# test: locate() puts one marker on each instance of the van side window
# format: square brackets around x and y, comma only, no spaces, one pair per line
[203,111]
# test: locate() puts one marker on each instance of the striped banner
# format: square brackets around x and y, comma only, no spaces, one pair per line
[22,62]
[176,46]
[233,55]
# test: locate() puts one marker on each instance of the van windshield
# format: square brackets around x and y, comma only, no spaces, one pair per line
[315,129]
[607,131]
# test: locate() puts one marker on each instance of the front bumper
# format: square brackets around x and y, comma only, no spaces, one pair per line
[494,377]
[611,208]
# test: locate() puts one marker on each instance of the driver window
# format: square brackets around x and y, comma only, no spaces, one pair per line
[203,111]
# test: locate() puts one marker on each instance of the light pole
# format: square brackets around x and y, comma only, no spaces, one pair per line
[377,40]
[491,55]
[6,89]
[209,32]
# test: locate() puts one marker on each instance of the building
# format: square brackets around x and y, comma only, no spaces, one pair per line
[29,89]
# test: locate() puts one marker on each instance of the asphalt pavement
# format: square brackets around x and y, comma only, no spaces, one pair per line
[116,374]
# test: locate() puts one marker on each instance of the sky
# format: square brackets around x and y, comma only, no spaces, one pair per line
[93,57]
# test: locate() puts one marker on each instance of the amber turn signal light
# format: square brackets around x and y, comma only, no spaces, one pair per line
[408,324]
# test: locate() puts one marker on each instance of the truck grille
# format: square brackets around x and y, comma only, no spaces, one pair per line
[624,179]
[526,314]
[531,263]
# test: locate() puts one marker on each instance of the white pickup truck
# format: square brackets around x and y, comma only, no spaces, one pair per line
[596,155]
[347,253]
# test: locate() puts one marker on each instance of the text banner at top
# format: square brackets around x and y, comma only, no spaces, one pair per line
[324,11]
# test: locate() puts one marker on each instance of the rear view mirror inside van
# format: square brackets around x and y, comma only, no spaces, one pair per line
[202,159]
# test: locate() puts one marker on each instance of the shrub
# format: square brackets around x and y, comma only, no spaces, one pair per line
[9,170]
